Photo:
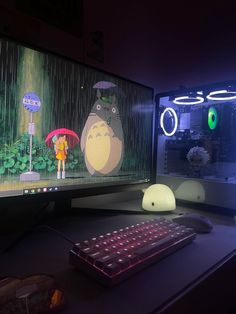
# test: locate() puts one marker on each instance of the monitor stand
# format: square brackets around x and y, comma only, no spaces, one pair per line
[62,206]
[113,203]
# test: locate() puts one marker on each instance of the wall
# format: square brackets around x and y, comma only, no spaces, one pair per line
[157,44]
[166,45]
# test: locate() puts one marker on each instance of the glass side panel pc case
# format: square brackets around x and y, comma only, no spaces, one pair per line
[68,129]
[197,144]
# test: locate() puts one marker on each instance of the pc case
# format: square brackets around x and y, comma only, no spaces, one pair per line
[196,144]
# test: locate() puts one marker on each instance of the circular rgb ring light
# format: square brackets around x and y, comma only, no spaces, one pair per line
[221,95]
[188,100]
[212,118]
[171,114]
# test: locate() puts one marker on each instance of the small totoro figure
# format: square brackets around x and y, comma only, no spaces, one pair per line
[102,140]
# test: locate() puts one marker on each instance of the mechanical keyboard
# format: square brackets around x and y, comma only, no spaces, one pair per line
[114,256]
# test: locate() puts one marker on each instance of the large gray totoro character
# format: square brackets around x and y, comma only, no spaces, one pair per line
[102,140]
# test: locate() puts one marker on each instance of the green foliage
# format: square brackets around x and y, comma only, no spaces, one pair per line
[14,158]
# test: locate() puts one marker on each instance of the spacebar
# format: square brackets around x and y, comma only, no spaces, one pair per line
[154,247]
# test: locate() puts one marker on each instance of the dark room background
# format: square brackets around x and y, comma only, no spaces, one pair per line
[162,44]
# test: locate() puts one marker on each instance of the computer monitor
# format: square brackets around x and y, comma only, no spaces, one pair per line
[69,130]
[197,145]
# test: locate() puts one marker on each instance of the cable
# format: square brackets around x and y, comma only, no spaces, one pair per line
[16,241]
[41,214]
[56,231]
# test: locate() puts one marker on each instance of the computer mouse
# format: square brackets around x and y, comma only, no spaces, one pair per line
[199,223]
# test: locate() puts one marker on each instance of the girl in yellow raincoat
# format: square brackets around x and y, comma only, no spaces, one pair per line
[60,147]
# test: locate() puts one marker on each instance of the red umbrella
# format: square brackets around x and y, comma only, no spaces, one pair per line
[71,137]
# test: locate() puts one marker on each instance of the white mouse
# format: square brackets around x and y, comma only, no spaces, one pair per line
[158,197]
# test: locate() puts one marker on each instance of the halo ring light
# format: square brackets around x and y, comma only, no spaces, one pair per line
[173,114]
[215,95]
[188,100]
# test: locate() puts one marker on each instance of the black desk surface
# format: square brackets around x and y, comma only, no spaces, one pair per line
[46,252]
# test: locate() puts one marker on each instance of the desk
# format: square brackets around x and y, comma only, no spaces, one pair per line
[164,287]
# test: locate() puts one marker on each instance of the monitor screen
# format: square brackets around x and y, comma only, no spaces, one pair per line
[69,128]
[197,143]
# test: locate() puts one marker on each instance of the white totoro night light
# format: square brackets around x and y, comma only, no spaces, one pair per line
[158,197]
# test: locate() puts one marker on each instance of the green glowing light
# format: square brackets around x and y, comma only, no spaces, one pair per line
[212,118]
